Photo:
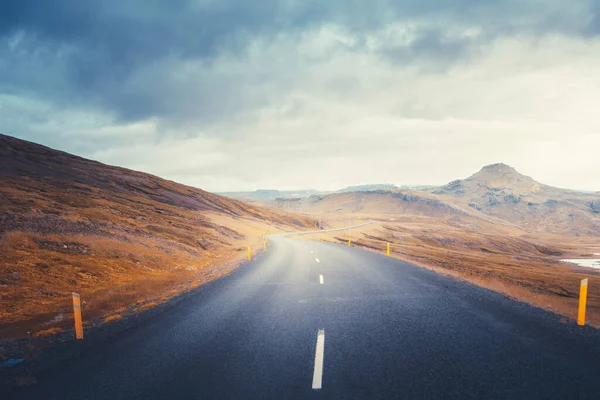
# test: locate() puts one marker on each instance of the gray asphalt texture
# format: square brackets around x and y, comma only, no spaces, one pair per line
[392,331]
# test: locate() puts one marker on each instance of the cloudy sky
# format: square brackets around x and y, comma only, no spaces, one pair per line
[241,95]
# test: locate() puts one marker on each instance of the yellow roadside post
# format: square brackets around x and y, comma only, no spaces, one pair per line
[249,254]
[388,249]
[583,288]
[264,244]
[321,238]
[77,315]
[348,242]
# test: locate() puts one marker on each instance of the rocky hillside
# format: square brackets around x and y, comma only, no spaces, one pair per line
[499,190]
[68,224]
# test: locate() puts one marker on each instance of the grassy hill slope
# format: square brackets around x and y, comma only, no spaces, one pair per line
[122,239]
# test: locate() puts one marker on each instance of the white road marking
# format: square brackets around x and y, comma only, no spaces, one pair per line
[321,279]
[317,260]
[311,252]
[319,354]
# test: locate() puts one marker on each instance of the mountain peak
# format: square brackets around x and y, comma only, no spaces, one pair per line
[497,171]
[500,175]
[499,168]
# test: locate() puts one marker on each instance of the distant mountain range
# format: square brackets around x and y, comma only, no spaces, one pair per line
[497,194]
[270,195]
[367,188]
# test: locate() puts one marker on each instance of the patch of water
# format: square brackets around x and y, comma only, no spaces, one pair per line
[585,262]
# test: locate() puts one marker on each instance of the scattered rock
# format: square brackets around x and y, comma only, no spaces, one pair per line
[15,276]
[65,247]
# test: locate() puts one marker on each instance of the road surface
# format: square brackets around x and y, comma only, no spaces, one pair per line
[313,320]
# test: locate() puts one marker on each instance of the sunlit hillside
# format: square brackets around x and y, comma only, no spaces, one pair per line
[120,238]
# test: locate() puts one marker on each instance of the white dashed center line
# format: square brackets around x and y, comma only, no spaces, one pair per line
[311,252]
[317,382]
[321,279]
[317,260]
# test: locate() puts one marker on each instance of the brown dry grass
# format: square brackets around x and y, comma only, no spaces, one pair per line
[111,276]
[525,267]
[146,306]
[112,318]
[47,332]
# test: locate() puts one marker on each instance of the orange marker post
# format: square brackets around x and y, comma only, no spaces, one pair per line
[249,254]
[77,314]
[583,288]
[388,249]
[264,244]
[348,242]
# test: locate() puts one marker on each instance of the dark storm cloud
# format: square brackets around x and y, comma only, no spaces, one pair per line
[593,28]
[122,57]
[97,48]
[430,45]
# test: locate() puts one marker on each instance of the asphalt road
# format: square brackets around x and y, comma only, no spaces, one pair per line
[386,330]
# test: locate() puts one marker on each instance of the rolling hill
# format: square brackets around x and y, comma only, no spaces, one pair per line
[118,237]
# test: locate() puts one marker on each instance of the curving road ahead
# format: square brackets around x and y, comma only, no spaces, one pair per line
[356,324]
